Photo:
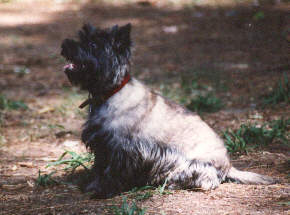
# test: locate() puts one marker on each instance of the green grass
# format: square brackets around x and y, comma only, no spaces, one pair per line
[208,103]
[141,193]
[138,194]
[2,140]
[161,189]
[146,192]
[74,161]
[21,71]
[188,87]
[213,76]
[7,104]
[194,96]
[55,126]
[259,16]
[250,136]
[45,179]
[143,196]
[128,209]
[70,165]
[235,142]
[281,93]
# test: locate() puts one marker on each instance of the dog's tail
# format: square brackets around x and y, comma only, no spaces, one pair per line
[244,177]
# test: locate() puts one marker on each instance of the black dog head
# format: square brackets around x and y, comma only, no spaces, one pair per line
[100,59]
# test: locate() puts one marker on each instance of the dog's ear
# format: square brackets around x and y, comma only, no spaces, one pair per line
[121,37]
[70,49]
[87,32]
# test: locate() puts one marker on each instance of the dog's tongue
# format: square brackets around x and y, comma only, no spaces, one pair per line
[69,66]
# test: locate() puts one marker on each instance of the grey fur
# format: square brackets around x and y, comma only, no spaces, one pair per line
[137,126]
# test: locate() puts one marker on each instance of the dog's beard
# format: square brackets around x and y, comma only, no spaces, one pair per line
[71,72]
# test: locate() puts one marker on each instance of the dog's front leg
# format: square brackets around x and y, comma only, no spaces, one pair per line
[97,184]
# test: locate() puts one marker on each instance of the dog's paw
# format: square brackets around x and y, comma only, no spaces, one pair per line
[99,191]
[208,180]
[209,184]
[94,186]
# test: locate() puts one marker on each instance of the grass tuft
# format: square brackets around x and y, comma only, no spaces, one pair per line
[45,179]
[259,16]
[194,96]
[75,161]
[71,164]
[161,189]
[3,140]
[7,104]
[235,142]
[208,103]
[139,194]
[253,136]
[281,93]
[128,209]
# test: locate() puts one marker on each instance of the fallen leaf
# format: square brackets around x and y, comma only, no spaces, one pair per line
[25,164]
[70,143]
[170,29]
[14,168]
[30,183]
[47,159]
[62,133]
[45,110]
[13,187]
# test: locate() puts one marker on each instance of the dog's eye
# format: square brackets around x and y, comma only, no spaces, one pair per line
[81,66]
[93,45]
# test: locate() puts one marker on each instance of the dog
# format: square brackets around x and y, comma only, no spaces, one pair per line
[139,137]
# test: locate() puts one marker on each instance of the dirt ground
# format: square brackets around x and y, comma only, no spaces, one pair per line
[226,46]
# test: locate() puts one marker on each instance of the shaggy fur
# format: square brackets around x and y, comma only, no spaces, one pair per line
[139,137]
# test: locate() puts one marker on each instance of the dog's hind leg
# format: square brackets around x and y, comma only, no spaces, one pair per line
[180,172]
[193,174]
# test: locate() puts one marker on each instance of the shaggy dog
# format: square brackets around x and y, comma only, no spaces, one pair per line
[137,136]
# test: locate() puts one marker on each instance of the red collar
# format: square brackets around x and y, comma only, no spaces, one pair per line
[108,95]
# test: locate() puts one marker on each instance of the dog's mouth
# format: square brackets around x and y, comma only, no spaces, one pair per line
[69,67]
[71,71]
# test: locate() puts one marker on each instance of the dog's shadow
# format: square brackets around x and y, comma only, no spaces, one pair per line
[81,178]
